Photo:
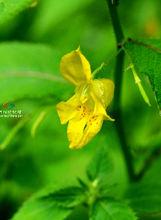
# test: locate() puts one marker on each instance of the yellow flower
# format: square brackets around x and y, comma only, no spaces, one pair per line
[86,109]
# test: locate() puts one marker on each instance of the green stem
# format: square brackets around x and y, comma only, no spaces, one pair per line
[118,75]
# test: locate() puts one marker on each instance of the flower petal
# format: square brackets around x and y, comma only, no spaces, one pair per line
[75,131]
[75,67]
[102,93]
[103,90]
[67,110]
[93,127]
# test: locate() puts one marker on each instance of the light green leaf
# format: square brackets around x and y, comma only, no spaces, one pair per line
[146,59]
[10,8]
[111,210]
[51,205]
[100,167]
[101,174]
[40,210]
[30,71]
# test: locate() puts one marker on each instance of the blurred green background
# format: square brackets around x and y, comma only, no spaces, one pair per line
[29,164]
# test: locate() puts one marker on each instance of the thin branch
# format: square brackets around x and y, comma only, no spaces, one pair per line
[118,75]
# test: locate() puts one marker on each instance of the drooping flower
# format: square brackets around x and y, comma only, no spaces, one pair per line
[86,109]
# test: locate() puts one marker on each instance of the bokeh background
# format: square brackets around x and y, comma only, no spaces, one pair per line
[29,164]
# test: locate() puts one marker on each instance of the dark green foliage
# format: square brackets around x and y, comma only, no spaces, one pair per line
[34,152]
[98,202]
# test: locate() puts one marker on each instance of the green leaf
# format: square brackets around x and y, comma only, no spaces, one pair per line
[100,167]
[145,198]
[101,175]
[146,60]
[68,197]
[51,205]
[111,210]
[30,71]
[40,210]
[10,8]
